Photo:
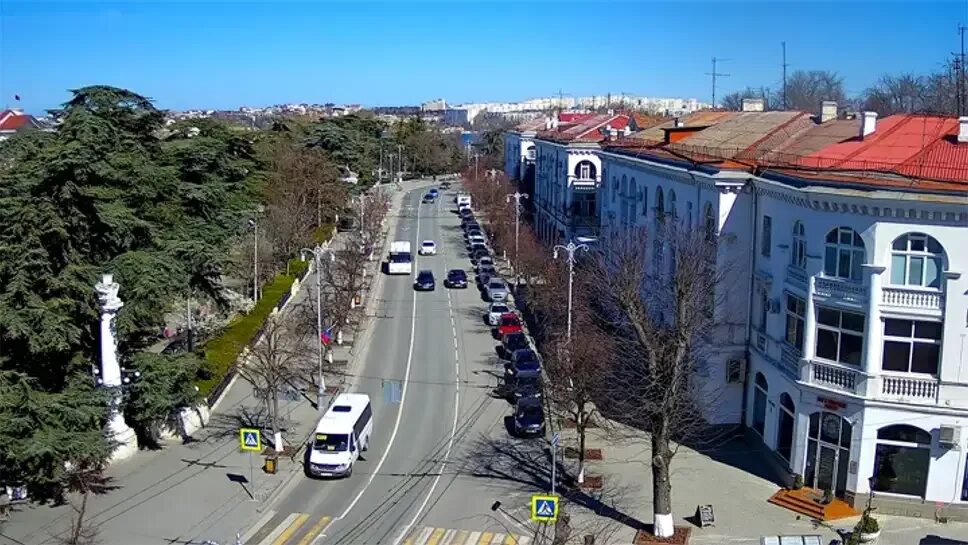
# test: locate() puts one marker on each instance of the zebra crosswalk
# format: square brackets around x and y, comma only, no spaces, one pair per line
[292,529]
[305,529]
[445,536]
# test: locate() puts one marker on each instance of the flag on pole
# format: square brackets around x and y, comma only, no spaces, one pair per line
[17,98]
[327,335]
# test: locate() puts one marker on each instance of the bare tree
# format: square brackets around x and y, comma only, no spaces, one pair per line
[806,89]
[373,208]
[82,479]
[345,276]
[279,359]
[577,371]
[734,101]
[659,313]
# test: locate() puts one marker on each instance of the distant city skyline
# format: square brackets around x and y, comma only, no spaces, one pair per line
[224,55]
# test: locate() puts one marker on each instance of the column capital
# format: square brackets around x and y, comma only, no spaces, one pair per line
[873,269]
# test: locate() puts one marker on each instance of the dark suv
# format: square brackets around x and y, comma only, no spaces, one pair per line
[456,278]
[529,418]
[512,342]
[425,281]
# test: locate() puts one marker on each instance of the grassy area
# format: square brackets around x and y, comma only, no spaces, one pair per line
[222,352]
[297,267]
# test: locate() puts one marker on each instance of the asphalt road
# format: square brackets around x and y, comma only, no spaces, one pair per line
[434,351]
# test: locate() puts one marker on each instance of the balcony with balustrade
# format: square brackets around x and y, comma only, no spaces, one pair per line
[913,300]
[840,290]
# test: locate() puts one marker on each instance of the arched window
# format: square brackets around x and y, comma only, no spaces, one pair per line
[709,222]
[625,186]
[689,213]
[672,212]
[916,260]
[645,201]
[844,254]
[760,390]
[798,255]
[659,203]
[585,170]
[633,199]
[614,187]
[785,425]
[902,459]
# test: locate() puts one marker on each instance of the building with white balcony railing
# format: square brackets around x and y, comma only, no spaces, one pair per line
[852,369]
[568,171]
[519,150]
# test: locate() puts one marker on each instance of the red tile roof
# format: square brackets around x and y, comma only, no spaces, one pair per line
[590,130]
[574,117]
[11,120]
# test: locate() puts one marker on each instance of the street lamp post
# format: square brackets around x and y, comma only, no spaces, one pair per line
[255,259]
[317,252]
[477,161]
[517,196]
[571,248]
[400,156]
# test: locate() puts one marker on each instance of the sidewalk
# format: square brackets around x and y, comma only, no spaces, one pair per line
[187,493]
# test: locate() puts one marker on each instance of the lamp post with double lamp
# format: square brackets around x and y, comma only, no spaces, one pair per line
[517,196]
[317,252]
[571,249]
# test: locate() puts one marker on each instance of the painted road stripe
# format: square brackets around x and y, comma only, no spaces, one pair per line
[278,529]
[485,538]
[288,532]
[435,537]
[419,537]
[460,538]
[315,531]
[473,538]
[510,540]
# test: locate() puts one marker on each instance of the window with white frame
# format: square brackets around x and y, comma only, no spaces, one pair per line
[586,170]
[709,222]
[902,460]
[761,389]
[798,250]
[796,310]
[840,336]
[912,346]
[916,260]
[766,236]
[844,254]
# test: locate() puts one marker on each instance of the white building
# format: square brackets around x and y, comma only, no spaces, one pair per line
[568,171]
[519,149]
[845,347]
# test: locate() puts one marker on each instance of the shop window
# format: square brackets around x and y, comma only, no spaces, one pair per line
[902,459]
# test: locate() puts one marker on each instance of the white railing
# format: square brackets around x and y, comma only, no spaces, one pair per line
[911,298]
[834,376]
[840,288]
[913,388]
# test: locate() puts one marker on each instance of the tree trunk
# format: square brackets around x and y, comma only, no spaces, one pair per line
[661,487]
[276,432]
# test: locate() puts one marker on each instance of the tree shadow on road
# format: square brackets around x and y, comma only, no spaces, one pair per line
[511,463]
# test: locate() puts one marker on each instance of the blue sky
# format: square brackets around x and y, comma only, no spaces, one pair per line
[224,54]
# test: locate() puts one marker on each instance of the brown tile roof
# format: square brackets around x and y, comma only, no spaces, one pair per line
[531,126]
[656,133]
[586,131]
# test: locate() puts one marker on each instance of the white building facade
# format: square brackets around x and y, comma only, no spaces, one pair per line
[844,338]
[520,152]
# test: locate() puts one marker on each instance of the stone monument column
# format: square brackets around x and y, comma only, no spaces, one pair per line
[117,429]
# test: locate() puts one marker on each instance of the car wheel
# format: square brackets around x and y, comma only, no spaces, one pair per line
[349,473]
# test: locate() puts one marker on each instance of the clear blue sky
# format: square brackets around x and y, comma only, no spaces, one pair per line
[187,54]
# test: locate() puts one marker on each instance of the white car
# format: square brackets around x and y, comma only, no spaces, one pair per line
[497,290]
[428,247]
[476,239]
[494,312]
[485,262]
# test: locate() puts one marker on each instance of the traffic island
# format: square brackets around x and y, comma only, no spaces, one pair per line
[680,536]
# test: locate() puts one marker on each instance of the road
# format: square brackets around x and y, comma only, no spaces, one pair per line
[429,370]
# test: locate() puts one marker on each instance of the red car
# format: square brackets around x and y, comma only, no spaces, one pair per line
[510,323]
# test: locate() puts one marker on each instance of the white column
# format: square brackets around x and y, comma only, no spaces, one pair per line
[873,330]
[809,332]
[118,430]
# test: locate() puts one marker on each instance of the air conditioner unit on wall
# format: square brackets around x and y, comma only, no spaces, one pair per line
[949,437]
[735,371]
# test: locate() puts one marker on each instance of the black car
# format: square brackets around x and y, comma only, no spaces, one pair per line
[529,418]
[478,253]
[523,360]
[512,342]
[525,385]
[456,278]
[425,281]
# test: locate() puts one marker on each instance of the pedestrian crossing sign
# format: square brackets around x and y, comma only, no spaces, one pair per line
[544,508]
[250,439]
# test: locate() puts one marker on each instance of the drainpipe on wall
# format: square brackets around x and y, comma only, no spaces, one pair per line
[749,309]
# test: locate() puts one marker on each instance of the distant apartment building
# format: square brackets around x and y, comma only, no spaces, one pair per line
[435,105]
[841,339]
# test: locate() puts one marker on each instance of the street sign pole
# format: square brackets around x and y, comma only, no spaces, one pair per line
[554,460]
[252,475]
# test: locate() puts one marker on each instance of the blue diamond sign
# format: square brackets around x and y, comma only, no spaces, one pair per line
[250,439]
[544,508]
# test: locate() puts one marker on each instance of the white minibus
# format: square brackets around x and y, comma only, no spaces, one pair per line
[340,436]
[400,260]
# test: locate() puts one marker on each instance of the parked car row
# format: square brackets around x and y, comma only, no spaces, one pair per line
[522,385]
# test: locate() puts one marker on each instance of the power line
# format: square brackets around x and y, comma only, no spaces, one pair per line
[715,75]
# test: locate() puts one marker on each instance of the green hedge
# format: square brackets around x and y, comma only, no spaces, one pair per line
[222,352]
[297,267]
[324,232]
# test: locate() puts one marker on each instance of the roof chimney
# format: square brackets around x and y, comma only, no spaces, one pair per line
[868,123]
[752,104]
[679,122]
[963,129]
[828,111]
[547,123]
[627,130]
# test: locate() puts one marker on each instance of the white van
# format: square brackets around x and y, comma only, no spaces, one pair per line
[400,260]
[463,200]
[341,435]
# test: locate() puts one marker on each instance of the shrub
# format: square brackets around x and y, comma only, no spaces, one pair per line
[323,233]
[867,524]
[297,267]
[222,352]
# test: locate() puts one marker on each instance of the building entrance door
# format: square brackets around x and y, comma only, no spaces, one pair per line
[828,453]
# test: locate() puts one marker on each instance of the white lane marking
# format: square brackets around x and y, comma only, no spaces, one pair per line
[403,395]
[450,442]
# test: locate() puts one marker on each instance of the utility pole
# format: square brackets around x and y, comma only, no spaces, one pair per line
[517,196]
[400,150]
[715,75]
[784,76]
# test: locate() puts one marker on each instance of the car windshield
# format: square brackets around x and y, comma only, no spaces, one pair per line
[516,340]
[425,277]
[500,309]
[496,285]
[428,244]
[509,320]
[528,382]
[528,365]
[530,412]
[331,442]
[457,274]
[400,258]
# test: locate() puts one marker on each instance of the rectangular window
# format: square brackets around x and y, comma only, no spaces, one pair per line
[911,346]
[840,336]
[795,312]
[763,309]
[767,236]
